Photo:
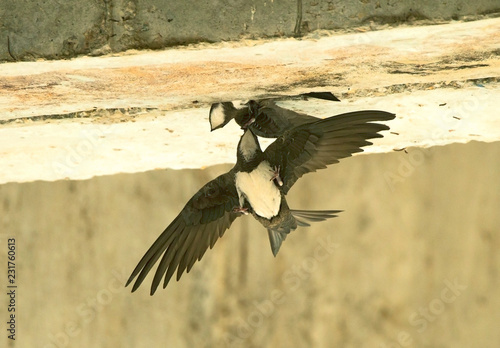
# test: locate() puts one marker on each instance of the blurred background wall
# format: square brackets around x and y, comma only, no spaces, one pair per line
[412,261]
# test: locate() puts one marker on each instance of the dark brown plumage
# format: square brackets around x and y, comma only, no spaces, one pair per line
[263,117]
[305,149]
[210,212]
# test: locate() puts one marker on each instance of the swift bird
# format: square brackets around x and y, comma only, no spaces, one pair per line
[263,117]
[257,184]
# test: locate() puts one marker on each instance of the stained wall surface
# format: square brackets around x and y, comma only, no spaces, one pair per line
[55,30]
[411,262]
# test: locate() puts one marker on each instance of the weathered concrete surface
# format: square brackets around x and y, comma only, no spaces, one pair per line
[429,76]
[53,29]
[175,78]
[80,148]
[413,225]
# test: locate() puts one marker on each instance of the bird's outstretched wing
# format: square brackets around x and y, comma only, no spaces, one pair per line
[305,217]
[273,121]
[313,146]
[204,219]
[321,95]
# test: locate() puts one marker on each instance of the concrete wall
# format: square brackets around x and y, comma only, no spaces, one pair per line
[412,261]
[54,29]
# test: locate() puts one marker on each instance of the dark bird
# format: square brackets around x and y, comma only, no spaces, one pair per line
[263,117]
[258,184]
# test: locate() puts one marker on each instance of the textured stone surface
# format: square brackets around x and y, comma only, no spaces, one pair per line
[177,78]
[441,84]
[124,142]
[53,29]
[412,223]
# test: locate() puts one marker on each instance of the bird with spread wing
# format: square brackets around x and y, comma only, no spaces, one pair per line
[258,184]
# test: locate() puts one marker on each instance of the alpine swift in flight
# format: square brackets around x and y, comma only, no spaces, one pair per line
[257,185]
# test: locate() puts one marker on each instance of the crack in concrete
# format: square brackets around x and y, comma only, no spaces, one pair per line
[9,49]
[298,22]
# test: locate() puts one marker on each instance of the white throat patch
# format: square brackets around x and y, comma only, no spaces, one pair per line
[217,116]
[259,190]
[248,146]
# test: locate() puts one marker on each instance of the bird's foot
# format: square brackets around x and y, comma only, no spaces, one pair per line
[276,176]
[241,210]
[248,123]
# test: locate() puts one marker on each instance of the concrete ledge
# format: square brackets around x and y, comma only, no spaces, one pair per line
[443,86]
[176,78]
[117,142]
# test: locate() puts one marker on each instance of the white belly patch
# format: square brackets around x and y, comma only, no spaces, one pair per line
[259,190]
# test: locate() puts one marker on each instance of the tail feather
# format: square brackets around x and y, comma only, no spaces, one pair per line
[303,217]
[276,238]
